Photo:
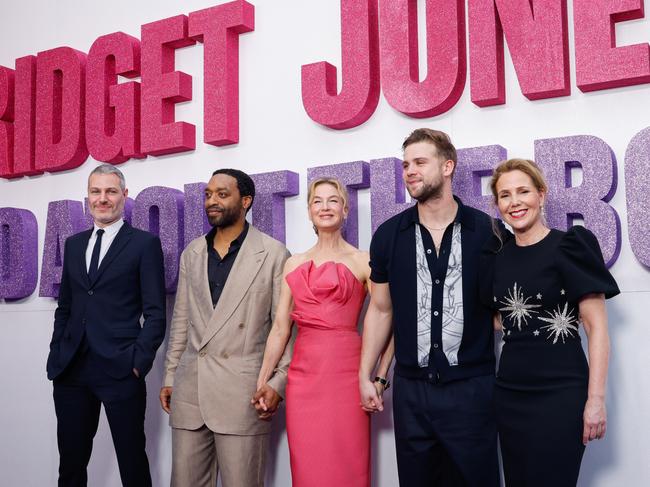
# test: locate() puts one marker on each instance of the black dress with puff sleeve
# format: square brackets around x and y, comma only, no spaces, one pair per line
[541,386]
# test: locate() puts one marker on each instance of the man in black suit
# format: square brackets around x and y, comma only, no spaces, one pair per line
[100,353]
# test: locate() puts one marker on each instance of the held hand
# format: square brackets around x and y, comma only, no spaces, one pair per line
[380,388]
[371,401]
[266,401]
[166,399]
[595,419]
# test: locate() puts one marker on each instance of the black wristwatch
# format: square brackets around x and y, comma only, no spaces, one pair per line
[384,382]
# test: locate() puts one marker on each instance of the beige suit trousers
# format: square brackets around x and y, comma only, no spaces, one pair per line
[200,456]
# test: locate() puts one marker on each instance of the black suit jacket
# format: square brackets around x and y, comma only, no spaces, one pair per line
[130,283]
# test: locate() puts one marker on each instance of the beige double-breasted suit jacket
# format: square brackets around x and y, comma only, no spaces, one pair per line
[215,353]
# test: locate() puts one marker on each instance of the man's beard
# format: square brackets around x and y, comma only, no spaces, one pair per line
[428,192]
[228,217]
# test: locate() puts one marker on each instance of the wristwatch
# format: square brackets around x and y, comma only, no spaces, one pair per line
[383,381]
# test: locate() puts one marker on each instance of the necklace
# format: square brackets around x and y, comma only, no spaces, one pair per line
[434,228]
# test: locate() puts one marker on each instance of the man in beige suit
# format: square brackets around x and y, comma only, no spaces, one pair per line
[228,288]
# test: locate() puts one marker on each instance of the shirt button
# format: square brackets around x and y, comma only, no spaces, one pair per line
[428,251]
[241,326]
[435,313]
[225,355]
[437,281]
[202,353]
[90,293]
[435,345]
[430,376]
[218,284]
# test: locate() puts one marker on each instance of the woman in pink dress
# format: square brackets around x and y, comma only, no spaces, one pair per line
[323,293]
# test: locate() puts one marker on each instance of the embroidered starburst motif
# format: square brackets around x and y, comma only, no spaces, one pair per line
[517,307]
[562,323]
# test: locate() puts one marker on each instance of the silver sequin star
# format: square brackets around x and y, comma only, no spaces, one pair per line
[539,296]
[562,292]
[562,323]
[517,306]
[536,333]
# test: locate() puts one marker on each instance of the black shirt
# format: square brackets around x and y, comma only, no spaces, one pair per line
[537,290]
[393,261]
[219,268]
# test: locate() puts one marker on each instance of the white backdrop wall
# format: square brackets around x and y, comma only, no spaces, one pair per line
[276,134]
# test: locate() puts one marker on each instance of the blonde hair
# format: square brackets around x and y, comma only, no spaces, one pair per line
[340,189]
[526,166]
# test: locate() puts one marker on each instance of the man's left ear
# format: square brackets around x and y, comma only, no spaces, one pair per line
[247,201]
[449,167]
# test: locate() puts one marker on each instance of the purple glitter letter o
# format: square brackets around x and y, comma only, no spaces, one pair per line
[159,210]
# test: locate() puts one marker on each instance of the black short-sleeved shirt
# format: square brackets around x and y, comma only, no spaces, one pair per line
[219,268]
[393,261]
[537,289]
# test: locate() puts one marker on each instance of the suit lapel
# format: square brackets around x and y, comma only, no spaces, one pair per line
[201,286]
[121,240]
[80,257]
[246,266]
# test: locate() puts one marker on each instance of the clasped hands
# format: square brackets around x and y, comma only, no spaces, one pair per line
[371,396]
[266,401]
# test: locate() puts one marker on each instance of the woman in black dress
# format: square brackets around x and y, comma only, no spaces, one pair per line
[549,401]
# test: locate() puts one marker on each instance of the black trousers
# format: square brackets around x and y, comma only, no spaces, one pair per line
[445,434]
[78,395]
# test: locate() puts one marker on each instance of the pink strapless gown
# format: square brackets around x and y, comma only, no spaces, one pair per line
[328,432]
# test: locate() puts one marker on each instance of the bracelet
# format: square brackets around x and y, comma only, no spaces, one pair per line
[383,381]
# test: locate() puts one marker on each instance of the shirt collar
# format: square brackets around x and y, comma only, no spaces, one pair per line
[463,216]
[209,237]
[110,230]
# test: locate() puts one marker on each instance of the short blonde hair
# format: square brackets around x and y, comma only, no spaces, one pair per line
[340,189]
[526,166]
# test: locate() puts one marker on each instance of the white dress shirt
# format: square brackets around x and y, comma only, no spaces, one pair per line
[110,232]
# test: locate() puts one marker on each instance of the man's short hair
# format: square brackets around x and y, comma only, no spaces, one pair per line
[109,169]
[245,183]
[439,139]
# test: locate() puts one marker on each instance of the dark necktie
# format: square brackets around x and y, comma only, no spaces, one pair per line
[94,260]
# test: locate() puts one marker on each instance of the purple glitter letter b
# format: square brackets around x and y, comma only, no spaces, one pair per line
[589,200]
